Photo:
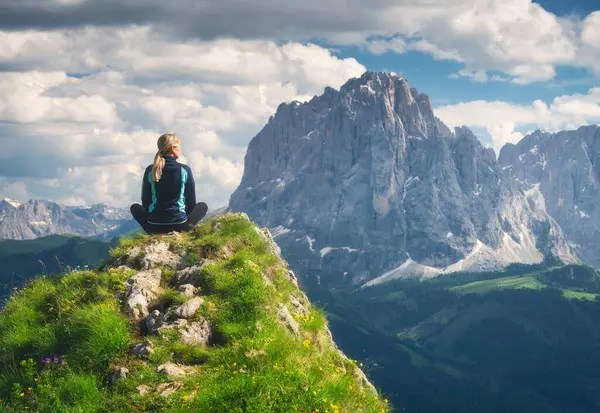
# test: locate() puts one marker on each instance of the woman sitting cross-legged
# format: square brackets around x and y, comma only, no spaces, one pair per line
[168,192]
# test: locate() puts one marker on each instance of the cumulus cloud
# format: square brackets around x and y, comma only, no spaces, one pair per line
[502,119]
[90,116]
[517,37]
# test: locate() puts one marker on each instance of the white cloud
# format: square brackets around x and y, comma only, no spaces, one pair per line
[17,190]
[94,133]
[501,119]
[517,37]
[591,30]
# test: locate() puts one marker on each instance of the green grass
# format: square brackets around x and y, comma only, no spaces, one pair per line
[253,364]
[486,286]
[577,295]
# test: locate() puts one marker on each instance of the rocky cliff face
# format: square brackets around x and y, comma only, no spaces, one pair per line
[38,218]
[563,170]
[366,180]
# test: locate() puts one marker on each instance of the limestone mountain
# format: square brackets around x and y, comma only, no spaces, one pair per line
[211,321]
[37,218]
[366,183]
[563,169]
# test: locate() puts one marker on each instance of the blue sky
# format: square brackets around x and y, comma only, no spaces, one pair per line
[432,76]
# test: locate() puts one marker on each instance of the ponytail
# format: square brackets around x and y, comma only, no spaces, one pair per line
[159,163]
[165,144]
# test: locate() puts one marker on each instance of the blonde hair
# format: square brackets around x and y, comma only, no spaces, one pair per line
[165,144]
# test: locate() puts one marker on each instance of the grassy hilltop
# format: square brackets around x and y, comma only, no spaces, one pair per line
[207,321]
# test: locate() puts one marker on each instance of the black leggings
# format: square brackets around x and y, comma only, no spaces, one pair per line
[141,216]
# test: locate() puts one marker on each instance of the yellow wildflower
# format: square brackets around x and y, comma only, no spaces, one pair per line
[22,394]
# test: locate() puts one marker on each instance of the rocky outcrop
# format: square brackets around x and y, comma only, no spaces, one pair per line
[366,180]
[144,288]
[561,173]
[246,328]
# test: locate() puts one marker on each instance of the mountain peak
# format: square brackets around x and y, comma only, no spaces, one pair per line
[39,217]
[12,202]
[207,318]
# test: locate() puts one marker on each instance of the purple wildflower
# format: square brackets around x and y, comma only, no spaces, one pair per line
[46,360]
[56,359]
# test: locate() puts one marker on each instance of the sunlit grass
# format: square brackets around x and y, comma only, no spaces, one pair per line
[253,363]
[516,282]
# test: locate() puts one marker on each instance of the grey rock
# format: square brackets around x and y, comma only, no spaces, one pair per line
[38,218]
[360,181]
[189,308]
[188,290]
[197,333]
[143,389]
[119,374]
[159,254]
[273,247]
[286,318]
[171,369]
[143,290]
[364,381]
[292,277]
[167,389]
[298,305]
[153,321]
[190,275]
[142,350]
[561,173]
[167,323]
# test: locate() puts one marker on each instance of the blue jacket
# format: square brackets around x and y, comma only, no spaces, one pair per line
[173,197]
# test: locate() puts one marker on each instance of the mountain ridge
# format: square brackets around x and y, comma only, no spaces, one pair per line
[35,218]
[369,176]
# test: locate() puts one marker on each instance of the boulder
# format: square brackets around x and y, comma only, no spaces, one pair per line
[143,349]
[153,321]
[159,254]
[189,308]
[188,290]
[190,275]
[143,389]
[119,373]
[197,333]
[167,389]
[171,369]
[143,290]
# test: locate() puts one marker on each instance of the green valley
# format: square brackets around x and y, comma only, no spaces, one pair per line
[21,260]
[521,340]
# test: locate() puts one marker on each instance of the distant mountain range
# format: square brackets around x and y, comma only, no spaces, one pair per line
[38,218]
[366,185]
